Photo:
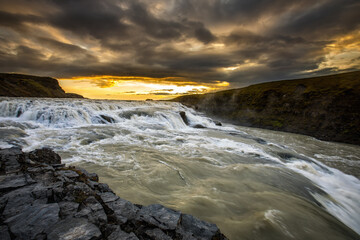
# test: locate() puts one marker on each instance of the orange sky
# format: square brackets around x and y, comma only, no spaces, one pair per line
[135,88]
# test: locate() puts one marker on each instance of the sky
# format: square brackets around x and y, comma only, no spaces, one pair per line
[159,49]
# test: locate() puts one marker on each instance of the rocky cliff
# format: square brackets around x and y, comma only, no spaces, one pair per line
[19,85]
[327,107]
[40,198]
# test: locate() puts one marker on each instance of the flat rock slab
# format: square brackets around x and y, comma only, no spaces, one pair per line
[74,229]
[159,216]
[33,221]
[14,181]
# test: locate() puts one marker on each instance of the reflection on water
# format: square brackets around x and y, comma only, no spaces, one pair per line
[253,183]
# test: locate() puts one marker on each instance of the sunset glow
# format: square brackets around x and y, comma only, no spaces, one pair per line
[161,49]
[136,88]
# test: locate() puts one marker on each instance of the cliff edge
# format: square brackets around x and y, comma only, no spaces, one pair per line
[327,107]
[19,85]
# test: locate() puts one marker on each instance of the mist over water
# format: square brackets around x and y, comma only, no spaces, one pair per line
[253,183]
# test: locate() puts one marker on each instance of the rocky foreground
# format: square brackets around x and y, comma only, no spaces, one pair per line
[41,198]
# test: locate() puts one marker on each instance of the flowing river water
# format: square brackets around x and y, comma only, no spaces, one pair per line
[253,183]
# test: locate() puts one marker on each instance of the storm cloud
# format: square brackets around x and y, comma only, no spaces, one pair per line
[238,41]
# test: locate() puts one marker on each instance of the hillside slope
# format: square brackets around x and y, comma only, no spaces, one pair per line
[325,107]
[19,85]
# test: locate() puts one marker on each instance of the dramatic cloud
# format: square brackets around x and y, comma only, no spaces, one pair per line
[203,42]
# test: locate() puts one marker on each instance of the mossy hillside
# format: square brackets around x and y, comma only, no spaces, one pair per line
[326,107]
[19,85]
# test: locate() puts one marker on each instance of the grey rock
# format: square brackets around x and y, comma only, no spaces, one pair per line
[16,201]
[184,117]
[74,229]
[123,210]
[198,126]
[67,173]
[77,192]
[118,234]
[68,209]
[198,228]
[217,123]
[107,119]
[157,234]
[91,176]
[11,158]
[103,187]
[58,165]
[159,216]
[4,233]
[92,184]
[45,155]
[92,210]
[108,197]
[10,182]
[33,221]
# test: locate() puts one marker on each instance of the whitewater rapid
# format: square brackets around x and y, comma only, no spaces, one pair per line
[250,182]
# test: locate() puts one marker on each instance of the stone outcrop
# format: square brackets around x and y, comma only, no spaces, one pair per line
[41,198]
[327,107]
[20,85]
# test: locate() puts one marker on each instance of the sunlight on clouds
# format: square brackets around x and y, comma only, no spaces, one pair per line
[244,66]
[343,53]
[136,88]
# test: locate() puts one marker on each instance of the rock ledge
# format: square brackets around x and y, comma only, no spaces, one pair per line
[40,198]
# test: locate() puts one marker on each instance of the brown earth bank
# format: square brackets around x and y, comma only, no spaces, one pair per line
[19,85]
[41,198]
[326,107]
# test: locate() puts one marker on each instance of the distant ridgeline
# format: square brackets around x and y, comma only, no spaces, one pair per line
[18,85]
[327,107]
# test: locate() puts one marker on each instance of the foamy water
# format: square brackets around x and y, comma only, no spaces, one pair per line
[252,183]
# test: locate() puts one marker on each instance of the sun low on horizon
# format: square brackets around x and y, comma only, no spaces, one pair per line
[135,88]
[122,49]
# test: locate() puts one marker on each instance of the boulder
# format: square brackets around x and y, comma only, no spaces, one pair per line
[45,155]
[34,221]
[184,117]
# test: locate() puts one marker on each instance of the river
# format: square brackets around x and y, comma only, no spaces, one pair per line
[253,183]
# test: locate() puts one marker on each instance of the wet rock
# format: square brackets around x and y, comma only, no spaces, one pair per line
[157,234]
[184,117]
[93,211]
[4,233]
[67,173]
[196,227]
[16,201]
[123,210]
[68,209]
[159,216]
[14,181]
[33,221]
[108,197]
[198,126]
[91,176]
[103,187]
[217,123]
[45,155]
[107,119]
[10,159]
[74,229]
[119,234]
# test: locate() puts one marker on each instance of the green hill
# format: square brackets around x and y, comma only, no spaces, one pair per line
[326,107]
[19,85]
